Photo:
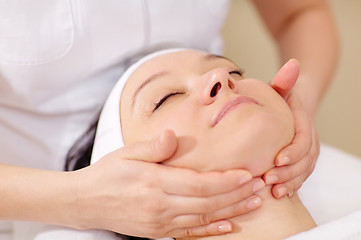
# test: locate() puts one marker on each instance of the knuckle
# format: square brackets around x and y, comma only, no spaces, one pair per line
[199,189]
[297,182]
[154,146]
[293,184]
[188,232]
[317,152]
[239,208]
[153,209]
[290,173]
[313,165]
[308,140]
[210,205]
[245,192]
[310,170]
[310,158]
[311,162]
[174,234]
[204,219]
[155,227]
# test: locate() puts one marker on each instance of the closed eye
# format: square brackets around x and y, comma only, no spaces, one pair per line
[237,72]
[163,99]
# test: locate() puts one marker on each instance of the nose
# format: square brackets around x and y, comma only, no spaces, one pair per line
[214,83]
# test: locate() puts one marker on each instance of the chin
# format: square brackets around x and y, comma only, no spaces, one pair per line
[257,143]
[251,145]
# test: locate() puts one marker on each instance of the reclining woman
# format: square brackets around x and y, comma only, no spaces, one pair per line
[207,110]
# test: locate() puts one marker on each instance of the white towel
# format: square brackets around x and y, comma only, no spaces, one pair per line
[346,228]
[62,233]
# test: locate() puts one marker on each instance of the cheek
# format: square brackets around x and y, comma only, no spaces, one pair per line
[263,136]
[179,118]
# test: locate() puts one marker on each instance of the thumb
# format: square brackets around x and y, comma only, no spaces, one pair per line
[157,150]
[286,77]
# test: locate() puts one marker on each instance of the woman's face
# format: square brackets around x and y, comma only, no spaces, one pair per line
[222,119]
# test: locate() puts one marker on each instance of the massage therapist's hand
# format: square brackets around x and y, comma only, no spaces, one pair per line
[127,192]
[294,163]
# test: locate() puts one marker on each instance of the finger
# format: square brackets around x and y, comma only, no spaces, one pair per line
[233,210]
[302,141]
[186,182]
[286,77]
[316,146]
[293,176]
[194,205]
[289,187]
[215,228]
[286,173]
[157,150]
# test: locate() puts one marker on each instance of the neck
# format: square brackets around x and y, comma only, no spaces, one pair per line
[275,219]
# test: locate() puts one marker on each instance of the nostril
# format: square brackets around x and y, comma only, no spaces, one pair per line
[230,84]
[215,89]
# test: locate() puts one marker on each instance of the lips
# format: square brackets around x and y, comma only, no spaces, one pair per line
[232,104]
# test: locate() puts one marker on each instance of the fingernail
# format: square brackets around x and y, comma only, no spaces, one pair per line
[245,178]
[254,202]
[282,191]
[290,194]
[271,179]
[225,228]
[258,186]
[283,161]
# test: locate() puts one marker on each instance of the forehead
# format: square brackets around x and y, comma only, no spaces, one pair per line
[176,63]
[170,62]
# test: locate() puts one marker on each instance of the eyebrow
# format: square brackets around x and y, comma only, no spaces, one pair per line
[215,56]
[161,74]
[147,81]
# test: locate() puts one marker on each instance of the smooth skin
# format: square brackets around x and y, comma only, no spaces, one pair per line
[303,30]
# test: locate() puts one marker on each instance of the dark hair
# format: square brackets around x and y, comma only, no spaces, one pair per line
[79,157]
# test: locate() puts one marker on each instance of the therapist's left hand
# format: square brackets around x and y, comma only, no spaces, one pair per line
[295,162]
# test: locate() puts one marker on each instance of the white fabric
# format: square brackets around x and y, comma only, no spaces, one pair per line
[334,188]
[109,132]
[60,233]
[346,228]
[60,58]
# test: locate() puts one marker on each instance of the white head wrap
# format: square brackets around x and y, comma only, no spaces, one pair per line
[109,133]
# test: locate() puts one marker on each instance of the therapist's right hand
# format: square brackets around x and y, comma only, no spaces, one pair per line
[127,192]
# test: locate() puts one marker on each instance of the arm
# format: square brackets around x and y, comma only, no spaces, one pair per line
[37,195]
[304,30]
[125,194]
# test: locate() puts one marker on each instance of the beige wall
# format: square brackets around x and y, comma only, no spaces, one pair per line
[339,118]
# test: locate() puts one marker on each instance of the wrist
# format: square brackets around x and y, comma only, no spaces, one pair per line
[73,202]
[82,211]
[308,95]
[58,200]
[68,213]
